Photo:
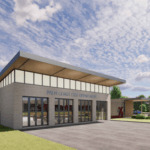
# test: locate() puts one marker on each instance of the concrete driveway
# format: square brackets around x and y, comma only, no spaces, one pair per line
[107,135]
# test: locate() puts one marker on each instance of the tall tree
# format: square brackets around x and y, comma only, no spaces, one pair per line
[115,92]
[141,96]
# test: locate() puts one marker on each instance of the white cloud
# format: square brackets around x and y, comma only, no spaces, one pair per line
[27,10]
[142,75]
[3,63]
[142,59]
[140,88]
[125,86]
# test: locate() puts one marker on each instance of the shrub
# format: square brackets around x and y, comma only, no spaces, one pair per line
[139,116]
[147,117]
[133,116]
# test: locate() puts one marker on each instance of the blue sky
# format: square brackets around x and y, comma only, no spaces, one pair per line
[110,37]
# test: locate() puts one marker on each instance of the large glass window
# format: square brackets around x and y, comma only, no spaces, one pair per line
[107,90]
[104,89]
[83,86]
[46,81]
[37,79]
[10,78]
[53,81]
[101,110]
[60,82]
[35,111]
[100,89]
[28,77]
[92,87]
[25,111]
[73,84]
[67,83]
[63,111]
[4,82]
[84,110]
[88,87]
[19,76]
[78,85]
[96,88]
[7,80]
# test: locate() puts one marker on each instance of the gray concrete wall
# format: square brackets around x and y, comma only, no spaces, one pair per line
[0,105]
[115,103]
[7,105]
[12,99]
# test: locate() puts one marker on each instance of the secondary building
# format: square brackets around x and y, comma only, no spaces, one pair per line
[37,92]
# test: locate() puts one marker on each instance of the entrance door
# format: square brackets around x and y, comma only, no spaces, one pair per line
[101,110]
[35,111]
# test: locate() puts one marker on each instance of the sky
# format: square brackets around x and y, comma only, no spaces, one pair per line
[107,36]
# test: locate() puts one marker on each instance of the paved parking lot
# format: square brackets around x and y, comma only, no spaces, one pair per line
[107,135]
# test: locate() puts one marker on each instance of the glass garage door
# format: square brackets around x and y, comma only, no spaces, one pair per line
[63,111]
[35,111]
[84,110]
[101,110]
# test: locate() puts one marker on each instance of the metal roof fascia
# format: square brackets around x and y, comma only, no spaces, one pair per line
[10,63]
[53,62]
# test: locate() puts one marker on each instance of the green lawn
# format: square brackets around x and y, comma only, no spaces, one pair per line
[3,129]
[17,140]
[132,119]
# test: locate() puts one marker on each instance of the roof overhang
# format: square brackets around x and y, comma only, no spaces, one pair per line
[34,63]
[138,99]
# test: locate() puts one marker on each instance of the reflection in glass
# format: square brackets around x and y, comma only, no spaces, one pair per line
[25,111]
[38,111]
[85,110]
[63,111]
[25,119]
[101,110]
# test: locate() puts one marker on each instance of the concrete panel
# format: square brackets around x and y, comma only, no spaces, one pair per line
[115,103]
[93,110]
[128,108]
[108,107]
[7,105]
[75,111]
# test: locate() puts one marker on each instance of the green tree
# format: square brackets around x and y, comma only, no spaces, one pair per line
[148,96]
[124,97]
[141,96]
[144,109]
[115,92]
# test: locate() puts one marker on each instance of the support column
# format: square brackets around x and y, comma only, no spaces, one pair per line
[51,111]
[93,110]
[109,107]
[141,107]
[149,107]
[75,110]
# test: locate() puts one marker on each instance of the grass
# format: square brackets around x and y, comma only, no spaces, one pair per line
[17,140]
[3,129]
[132,119]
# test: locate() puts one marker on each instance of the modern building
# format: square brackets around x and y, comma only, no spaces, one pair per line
[127,105]
[37,92]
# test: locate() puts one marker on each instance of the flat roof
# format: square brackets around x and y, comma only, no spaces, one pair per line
[34,63]
[137,99]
